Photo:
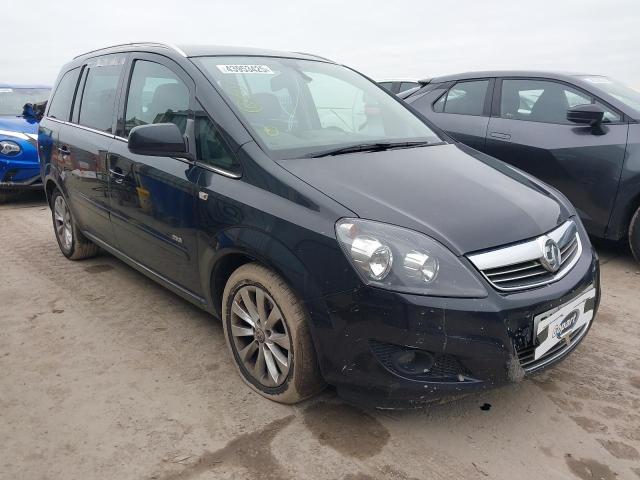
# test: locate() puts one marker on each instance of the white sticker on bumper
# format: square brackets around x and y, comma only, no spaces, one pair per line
[562,321]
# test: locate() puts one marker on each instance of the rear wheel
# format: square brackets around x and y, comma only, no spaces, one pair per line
[266,329]
[73,244]
[634,235]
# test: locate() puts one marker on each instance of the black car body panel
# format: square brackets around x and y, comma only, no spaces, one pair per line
[596,170]
[188,225]
[389,190]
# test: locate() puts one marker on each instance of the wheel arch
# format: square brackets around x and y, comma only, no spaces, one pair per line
[49,186]
[240,245]
[623,213]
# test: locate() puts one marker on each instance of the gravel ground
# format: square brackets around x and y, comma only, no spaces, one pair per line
[106,375]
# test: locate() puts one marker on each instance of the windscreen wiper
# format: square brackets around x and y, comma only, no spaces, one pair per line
[369,147]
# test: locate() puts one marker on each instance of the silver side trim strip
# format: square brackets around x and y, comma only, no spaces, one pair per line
[77,125]
[219,171]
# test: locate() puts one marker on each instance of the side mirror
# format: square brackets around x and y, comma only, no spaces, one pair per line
[589,114]
[158,139]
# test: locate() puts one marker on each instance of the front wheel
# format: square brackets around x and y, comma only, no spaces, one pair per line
[634,235]
[266,328]
[73,244]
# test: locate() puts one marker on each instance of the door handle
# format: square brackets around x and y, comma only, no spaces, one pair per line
[500,136]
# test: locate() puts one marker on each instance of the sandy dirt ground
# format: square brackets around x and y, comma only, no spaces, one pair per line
[106,375]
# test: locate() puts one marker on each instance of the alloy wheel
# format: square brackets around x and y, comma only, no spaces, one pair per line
[260,336]
[62,221]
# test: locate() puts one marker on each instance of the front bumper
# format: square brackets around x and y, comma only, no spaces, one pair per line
[21,171]
[476,343]
[31,183]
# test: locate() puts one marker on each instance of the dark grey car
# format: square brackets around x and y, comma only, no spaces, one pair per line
[579,133]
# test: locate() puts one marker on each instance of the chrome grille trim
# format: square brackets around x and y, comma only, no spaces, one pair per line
[518,267]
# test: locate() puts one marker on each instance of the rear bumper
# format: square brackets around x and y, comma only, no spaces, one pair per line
[475,343]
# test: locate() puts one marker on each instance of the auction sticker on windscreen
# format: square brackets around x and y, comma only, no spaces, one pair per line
[560,324]
[264,69]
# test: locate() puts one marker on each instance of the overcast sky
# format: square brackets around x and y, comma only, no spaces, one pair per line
[385,39]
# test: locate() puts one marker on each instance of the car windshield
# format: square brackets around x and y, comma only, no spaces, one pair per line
[12,100]
[300,108]
[626,95]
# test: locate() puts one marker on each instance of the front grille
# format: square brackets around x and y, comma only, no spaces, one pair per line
[522,275]
[519,266]
[445,367]
[526,354]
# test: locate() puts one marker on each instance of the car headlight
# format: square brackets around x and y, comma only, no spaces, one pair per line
[9,148]
[403,260]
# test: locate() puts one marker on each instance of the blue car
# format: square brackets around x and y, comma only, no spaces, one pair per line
[19,165]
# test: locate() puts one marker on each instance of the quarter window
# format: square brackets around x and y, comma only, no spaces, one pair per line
[99,94]
[609,115]
[210,147]
[156,95]
[60,106]
[464,98]
[544,101]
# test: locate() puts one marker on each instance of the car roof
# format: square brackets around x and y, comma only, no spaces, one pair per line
[224,50]
[508,73]
[20,85]
[202,50]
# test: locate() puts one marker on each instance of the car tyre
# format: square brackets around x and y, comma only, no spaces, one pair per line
[73,244]
[634,235]
[266,328]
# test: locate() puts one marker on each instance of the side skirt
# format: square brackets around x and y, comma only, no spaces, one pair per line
[152,274]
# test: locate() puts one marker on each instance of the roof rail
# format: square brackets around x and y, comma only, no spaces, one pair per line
[166,45]
[314,55]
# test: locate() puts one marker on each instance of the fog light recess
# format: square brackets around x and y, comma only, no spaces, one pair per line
[412,362]
[419,364]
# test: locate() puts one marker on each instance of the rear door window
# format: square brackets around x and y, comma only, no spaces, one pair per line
[464,98]
[60,106]
[99,93]
[156,95]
